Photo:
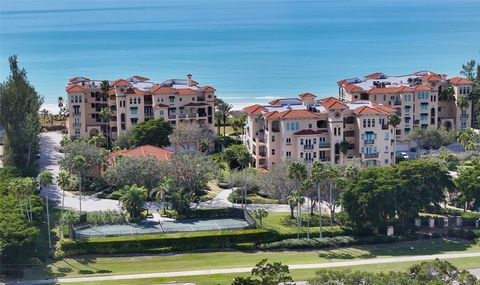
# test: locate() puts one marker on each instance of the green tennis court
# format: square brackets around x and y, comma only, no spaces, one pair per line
[165,227]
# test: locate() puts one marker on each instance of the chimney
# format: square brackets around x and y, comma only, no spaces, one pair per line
[189,80]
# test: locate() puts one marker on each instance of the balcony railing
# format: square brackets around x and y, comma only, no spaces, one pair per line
[171,117]
[275,130]
[308,146]
[262,154]
[371,155]
[385,127]
[369,141]
[397,103]
[77,113]
[182,116]
[324,145]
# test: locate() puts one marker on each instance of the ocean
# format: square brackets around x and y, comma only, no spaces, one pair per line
[251,51]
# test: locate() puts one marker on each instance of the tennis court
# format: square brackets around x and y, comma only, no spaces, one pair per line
[165,227]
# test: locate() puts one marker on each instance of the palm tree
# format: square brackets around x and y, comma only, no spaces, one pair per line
[132,199]
[225,109]
[294,200]
[79,165]
[44,113]
[394,121]
[331,173]
[63,181]
[307,186]
[465,136]
[298,173]
[318,175]
[462,103]
[161,192]
[97,140]
[344,147]
[45,179]
[70,218]
[237,125]
[106,115]
[447,95]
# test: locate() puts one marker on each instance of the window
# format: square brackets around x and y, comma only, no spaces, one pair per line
[133,110]
[301,155]
[424,106]
[422,95]
[384,97]
[161,113]
[314,141]
[273,138]
[139,100]
[386,161]
[273,151]
[364,123]
[76,122]
[77,131]
[131,101]
[301,141]
[374,97]
[171,99]
[289,141]
[288,154]
[423,117]
[309,126]
[386,136]
[373,123]
[407,109]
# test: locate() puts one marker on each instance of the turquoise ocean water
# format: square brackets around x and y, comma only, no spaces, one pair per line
[249,50]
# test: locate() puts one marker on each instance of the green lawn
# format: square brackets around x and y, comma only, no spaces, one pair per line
[276,221]
[298,275]
[96,265]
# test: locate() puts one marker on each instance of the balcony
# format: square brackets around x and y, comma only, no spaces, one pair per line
[77,113]
[397,103]
[371,155]
[182,116]
[464,116]
[275,130]
[385,127]
[324,145]
[172,116]
[308,146]
[262,154]
[369,141]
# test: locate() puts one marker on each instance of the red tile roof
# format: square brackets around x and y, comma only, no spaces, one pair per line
[422,87]
[254,109]
[374,75]
[307,95]
[352,87]
[297,114]
[208,88]
[158,106]
[140,78]
[186,91]
[157,89]
[333,103]
[309,132]
[383,108]
[144,151]
[134,91]
[431,77]
[365,110]
[459,80]
[75,88]
[120,82]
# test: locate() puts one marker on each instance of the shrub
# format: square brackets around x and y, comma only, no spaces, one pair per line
[161,243]
[105,217]
[223,185]
[316,243]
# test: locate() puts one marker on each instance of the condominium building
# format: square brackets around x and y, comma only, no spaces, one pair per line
[308,129]
[135,100]
[419,98]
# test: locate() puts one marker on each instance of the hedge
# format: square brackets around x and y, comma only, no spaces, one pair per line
[316,243]
[161,243]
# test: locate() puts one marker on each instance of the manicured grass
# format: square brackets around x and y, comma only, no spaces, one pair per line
[97,265]
[298,275]
[274,221]
[228,130]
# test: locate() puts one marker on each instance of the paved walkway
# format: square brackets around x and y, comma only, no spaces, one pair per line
[248,269]
[49,157]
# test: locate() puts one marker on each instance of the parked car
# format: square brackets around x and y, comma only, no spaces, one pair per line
[404,155]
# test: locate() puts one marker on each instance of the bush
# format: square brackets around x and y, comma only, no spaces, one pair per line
[223,185]
[316,243]
[160,243]
[463,233]
[105,217]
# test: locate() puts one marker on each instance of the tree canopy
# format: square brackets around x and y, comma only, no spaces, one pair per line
[128,170]
[153,132]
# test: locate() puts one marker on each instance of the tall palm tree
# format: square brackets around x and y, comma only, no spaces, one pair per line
[331,173]
[106,115]
[462,103]
[160,193]
[318,175]
[60,102]
[63,181]
[243,157]
[298,173]
[394,121]
[80,165]
[132,199]
[45,179]
[97,140]
[344,147]
[225,109]
[447,95]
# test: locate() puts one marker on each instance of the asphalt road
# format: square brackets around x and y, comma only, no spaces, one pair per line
[49,157]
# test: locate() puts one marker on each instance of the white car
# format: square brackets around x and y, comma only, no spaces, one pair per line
[404,155]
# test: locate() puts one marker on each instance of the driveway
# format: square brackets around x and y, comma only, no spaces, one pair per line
[221,201]
[49,157]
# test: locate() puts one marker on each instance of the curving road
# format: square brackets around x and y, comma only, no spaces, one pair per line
[49,157]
